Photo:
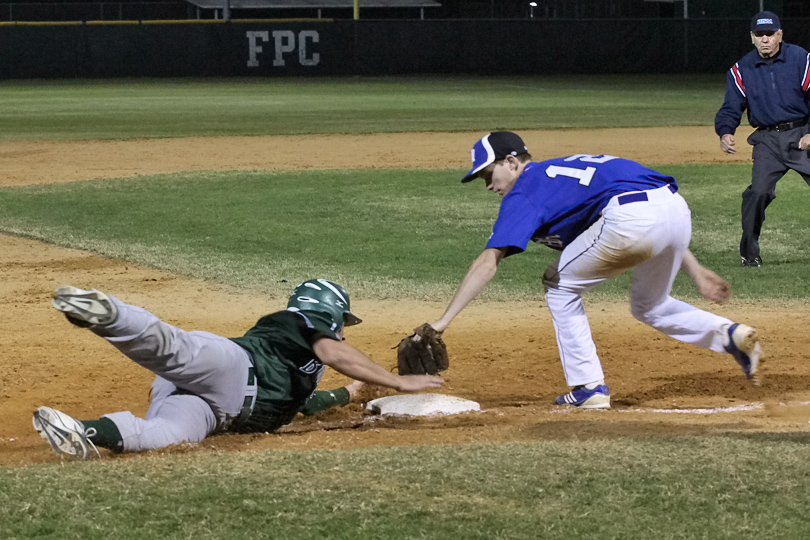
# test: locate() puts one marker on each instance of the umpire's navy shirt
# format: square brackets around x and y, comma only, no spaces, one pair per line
[773,90]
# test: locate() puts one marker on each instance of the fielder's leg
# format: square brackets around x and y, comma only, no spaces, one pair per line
[650,300]
[601,252]
[621,239]
[652,304]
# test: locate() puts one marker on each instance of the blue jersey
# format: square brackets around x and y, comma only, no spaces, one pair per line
[554,201]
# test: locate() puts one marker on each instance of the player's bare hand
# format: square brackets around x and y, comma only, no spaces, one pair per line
[413,383]
[727,144]
[354,387]
[713,287]
[439,327]
[804,142]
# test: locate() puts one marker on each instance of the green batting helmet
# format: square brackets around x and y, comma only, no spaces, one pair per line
[325,296]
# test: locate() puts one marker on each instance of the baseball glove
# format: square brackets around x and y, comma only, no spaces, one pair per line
[422,353]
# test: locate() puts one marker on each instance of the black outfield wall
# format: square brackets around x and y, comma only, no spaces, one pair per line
[378,47]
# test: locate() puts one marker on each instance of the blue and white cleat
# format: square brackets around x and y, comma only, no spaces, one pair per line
[584,398]
[744,346]
[85,307]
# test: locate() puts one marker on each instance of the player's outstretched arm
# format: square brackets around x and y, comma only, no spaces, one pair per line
[481,271]
[353,363]
[326,399]
[709,284]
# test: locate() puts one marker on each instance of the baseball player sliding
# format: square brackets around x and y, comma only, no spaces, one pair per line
[607,215]
[209,384]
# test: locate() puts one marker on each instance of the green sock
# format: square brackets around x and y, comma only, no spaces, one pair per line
[107,434]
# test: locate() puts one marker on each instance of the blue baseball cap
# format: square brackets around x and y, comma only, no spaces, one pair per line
[765,21]
[494,147]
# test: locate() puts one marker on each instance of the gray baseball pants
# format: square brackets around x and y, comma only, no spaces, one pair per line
[775,153]
[201,384]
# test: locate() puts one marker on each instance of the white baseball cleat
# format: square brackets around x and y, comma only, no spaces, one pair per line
[65,434]
[85,307]
[745,348]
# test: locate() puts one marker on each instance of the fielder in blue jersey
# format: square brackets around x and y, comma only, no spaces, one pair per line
[606,215]
[772,83]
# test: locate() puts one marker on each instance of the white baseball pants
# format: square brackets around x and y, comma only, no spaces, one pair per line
[649,236]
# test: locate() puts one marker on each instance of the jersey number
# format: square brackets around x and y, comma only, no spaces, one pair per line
[583,175]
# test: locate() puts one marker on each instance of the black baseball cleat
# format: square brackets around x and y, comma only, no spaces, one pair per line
[754,261]
[85,307]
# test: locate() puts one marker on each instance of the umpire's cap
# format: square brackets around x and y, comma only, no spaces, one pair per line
[494,147]
[765,21]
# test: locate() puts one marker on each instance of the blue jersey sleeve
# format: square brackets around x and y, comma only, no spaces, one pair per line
[517,220]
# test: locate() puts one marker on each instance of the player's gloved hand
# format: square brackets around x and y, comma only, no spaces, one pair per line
[424,352]
[727,144]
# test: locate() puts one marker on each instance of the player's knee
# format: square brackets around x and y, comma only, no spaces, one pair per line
[642,314]
[754,193]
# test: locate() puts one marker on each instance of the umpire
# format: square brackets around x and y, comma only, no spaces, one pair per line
[773,84]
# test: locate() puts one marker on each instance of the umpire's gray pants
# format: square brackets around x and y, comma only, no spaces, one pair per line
[201,383]
[775,153]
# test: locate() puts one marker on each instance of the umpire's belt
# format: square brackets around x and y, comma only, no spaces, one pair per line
[638,196]
[785,126]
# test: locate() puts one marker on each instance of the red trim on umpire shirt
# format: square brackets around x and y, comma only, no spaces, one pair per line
[806,80]
[735,70]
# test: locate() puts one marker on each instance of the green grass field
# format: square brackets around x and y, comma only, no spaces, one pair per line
[178,108]
[383,233]
[720,487]
[253,229]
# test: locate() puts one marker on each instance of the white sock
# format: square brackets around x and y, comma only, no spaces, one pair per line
[591,386]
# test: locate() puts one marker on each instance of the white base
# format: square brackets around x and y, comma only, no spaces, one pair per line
[421,405]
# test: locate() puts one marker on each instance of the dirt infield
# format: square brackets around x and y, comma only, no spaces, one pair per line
[504,357]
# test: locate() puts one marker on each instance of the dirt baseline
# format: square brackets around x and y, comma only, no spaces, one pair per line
[508,363]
